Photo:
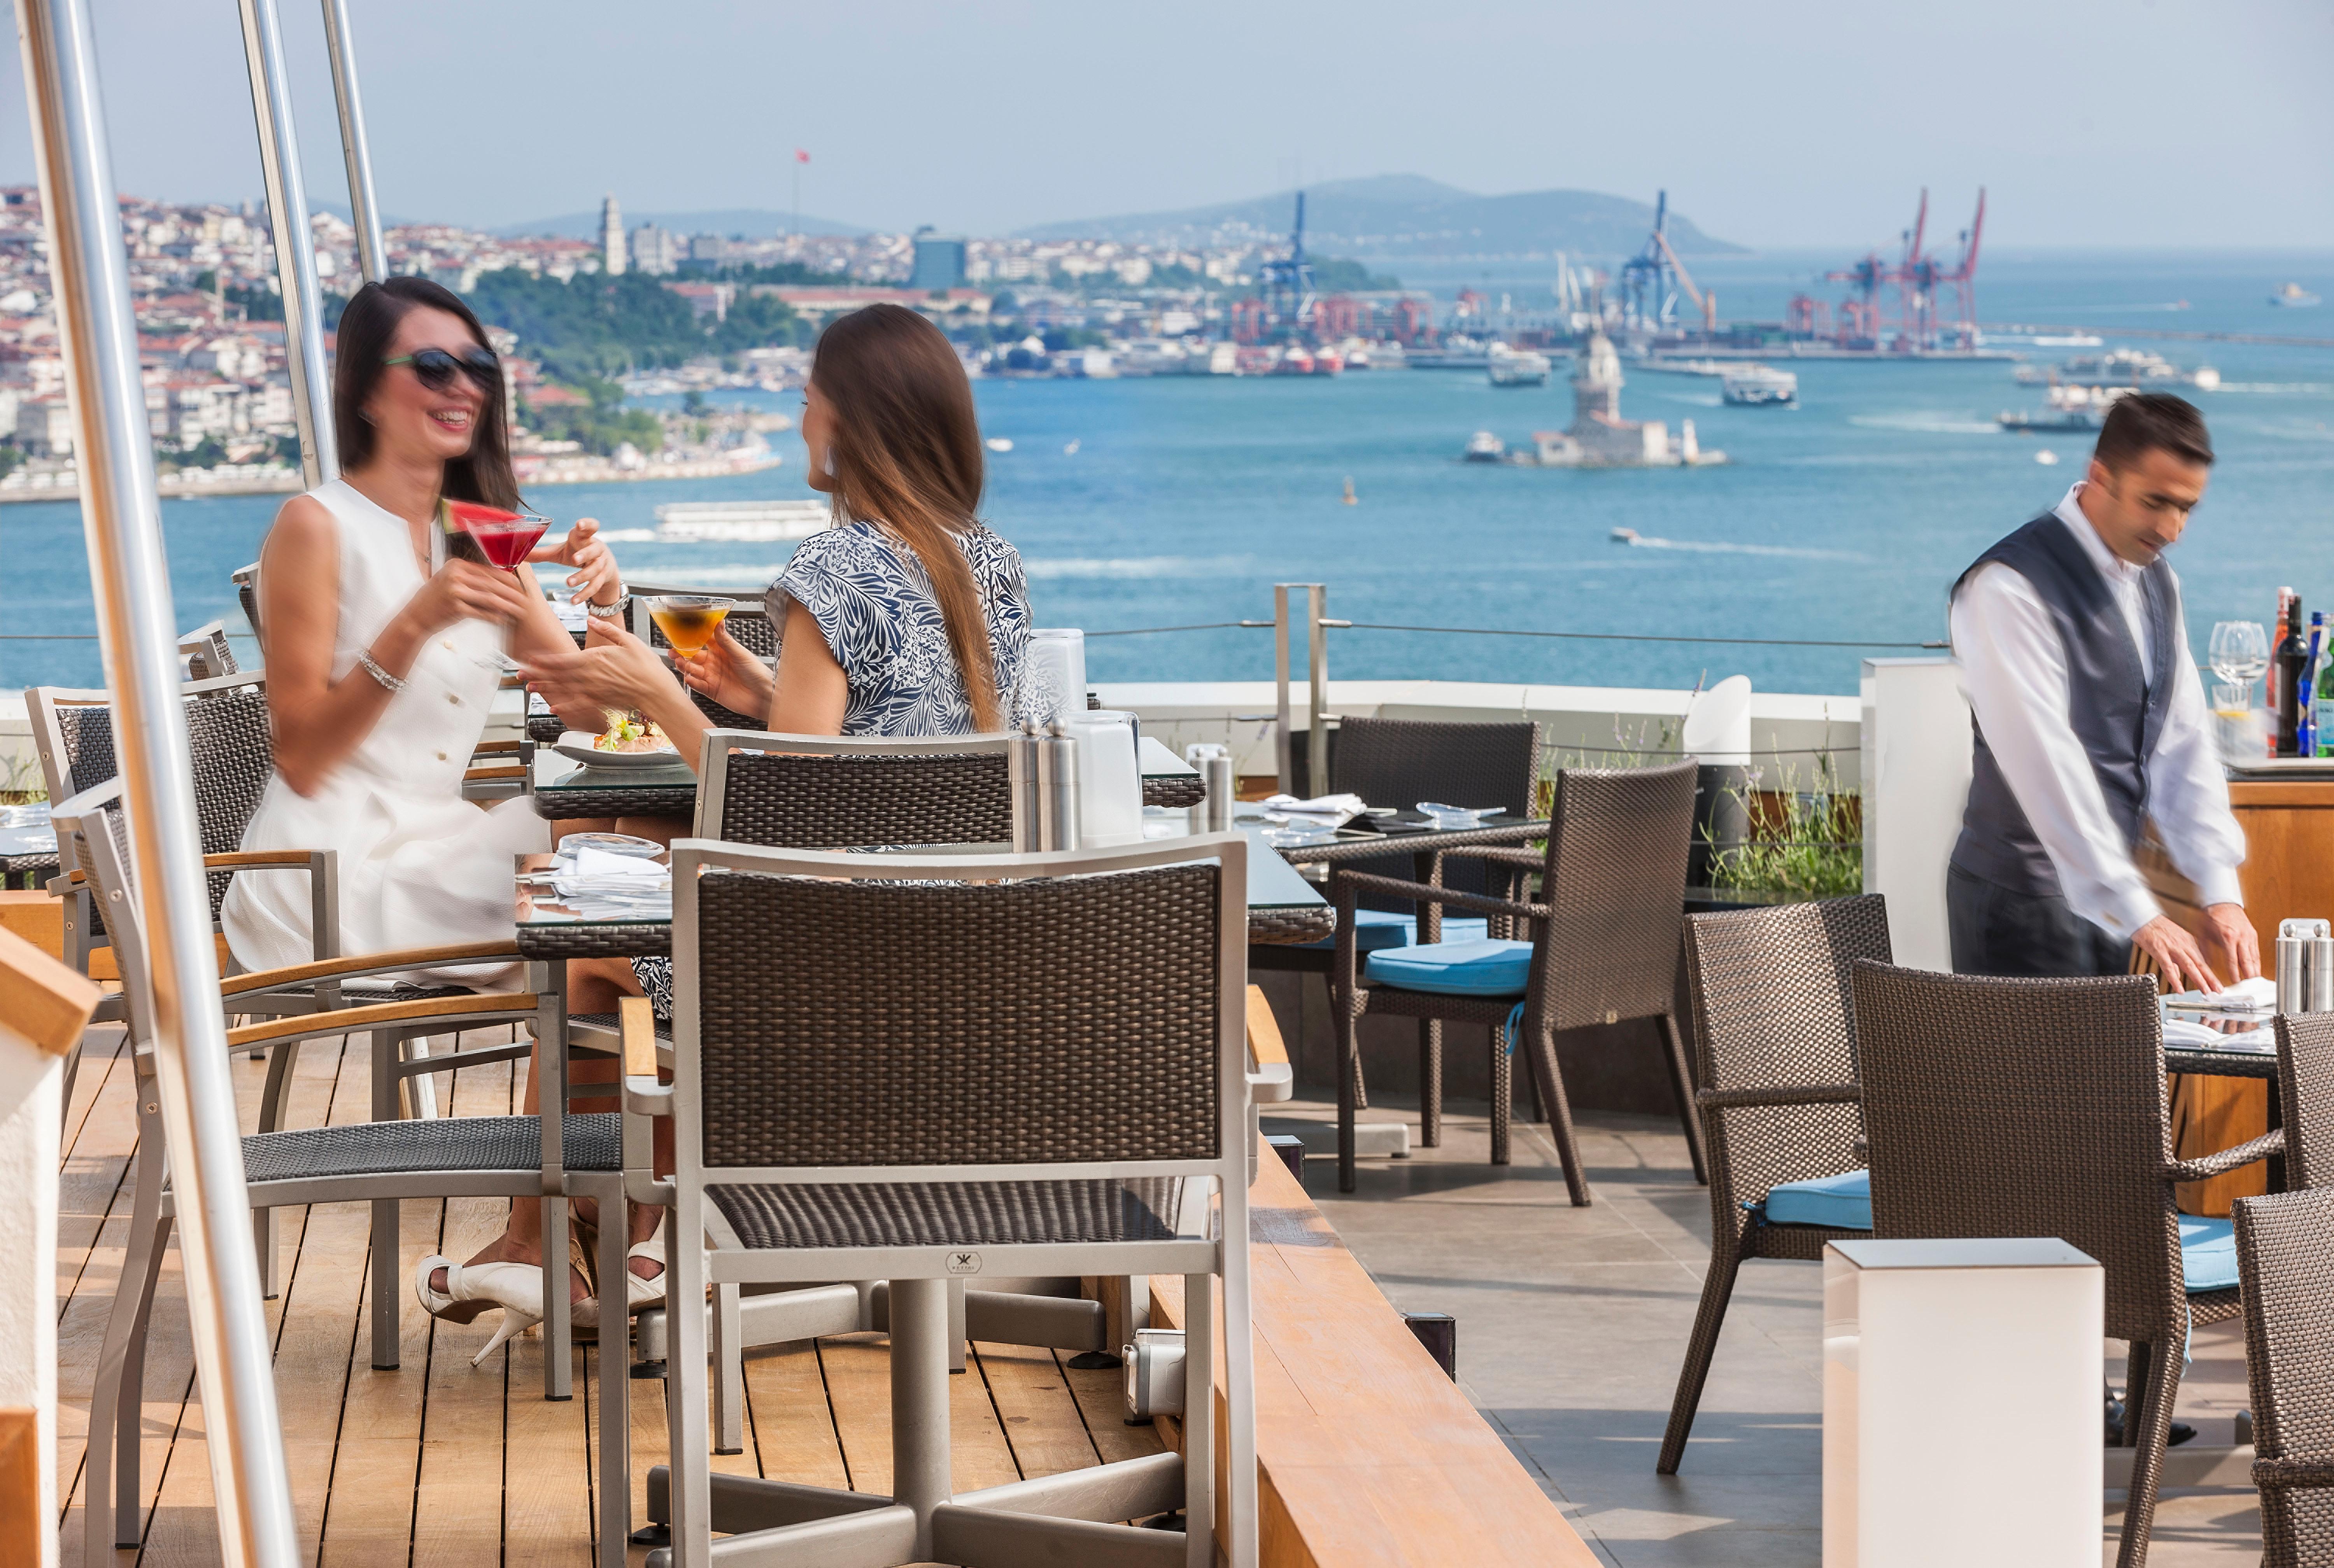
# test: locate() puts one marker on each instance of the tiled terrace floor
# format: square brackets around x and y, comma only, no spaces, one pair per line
[1572,1322]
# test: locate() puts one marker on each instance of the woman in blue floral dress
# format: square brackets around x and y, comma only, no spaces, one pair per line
[908,617]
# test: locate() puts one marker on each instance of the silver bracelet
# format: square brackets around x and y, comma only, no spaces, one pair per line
[609,612]
[388,681]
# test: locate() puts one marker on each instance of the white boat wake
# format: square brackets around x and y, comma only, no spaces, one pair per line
[1720,547]
[1140,566]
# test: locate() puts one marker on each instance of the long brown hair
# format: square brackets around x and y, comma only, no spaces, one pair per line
[907,454]
[367,326]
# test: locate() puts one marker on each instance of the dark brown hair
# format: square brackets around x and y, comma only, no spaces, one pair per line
[2142,422]
[907,454]
[368,327]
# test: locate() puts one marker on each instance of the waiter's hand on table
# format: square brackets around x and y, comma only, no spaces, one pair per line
[2226,927]
[2178,958]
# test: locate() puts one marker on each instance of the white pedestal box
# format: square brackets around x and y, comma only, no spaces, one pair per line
[1961,1404]
[1915,758]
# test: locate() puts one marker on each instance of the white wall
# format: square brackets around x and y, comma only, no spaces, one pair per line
[1915,769]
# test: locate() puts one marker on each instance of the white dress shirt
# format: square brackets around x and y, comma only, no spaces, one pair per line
[2014,674]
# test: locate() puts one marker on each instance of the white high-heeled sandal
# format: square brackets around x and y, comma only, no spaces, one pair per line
[475,1288]
[643,1292]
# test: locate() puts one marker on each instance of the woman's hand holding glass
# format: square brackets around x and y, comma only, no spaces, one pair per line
[467,591]
[595,578]
[613,669]
[725,670]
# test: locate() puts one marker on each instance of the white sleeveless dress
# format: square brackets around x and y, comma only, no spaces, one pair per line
[419,865]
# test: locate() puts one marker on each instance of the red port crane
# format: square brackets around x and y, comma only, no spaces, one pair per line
[1916,279]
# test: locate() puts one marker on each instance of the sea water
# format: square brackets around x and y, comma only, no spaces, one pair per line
[1187,498]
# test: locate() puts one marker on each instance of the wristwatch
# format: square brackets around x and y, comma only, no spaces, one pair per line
[610,612]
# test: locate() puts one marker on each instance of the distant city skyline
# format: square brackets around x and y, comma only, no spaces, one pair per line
[2169,124]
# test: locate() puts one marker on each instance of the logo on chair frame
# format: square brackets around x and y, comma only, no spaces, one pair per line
[964,1263]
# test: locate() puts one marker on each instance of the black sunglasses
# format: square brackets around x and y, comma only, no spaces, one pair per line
[437,367]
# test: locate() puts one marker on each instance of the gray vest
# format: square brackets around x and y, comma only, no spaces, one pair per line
[2112,707]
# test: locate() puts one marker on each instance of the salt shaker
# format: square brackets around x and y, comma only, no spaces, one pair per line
[1214,763]
[2305,967]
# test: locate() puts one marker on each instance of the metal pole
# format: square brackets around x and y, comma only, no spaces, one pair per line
[1316,668]
[372,257]
[122,513]
[295,248]
[1282,748]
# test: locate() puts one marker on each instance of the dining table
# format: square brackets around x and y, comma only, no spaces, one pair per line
[565,789]
[1282,907]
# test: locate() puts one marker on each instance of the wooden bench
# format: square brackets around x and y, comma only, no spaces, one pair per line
[1368,1456]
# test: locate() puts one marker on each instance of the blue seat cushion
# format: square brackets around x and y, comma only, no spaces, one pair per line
[2208,1247]
[2208,1253]
[1377,928]
[1842,1202]
[1482,967]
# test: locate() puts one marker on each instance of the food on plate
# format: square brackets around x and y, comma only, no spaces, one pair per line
[630,734]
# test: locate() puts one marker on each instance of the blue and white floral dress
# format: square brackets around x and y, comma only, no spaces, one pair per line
[873,603]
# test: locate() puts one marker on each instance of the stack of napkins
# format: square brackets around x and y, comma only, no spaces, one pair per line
[1321,812]
[2254,995]
[597,881]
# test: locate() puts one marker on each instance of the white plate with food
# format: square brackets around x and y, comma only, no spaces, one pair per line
[629,744]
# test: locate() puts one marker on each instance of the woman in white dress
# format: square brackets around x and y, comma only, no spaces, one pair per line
[384,658]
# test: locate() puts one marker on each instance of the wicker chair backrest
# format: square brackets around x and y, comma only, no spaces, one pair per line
[1399,762]
[2019,1108]
[866,1023]
[843,802]
[2305,1083]
[2285,1260]
[1615,885]
[1774,1007]
[234,756]
[86,732]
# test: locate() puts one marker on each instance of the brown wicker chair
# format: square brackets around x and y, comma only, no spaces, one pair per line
[1398,763]
[2285,1258]
[1775,1054]
[2305,1092]
[2036,1108]
[1603,949]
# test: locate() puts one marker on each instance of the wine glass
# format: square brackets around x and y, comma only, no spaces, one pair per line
[2240,652]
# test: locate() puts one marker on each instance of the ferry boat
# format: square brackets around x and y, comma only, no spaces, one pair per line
[2293,296]
[1509,367]
[1483,446]
[1760,386]
[2118,368]
[739,522]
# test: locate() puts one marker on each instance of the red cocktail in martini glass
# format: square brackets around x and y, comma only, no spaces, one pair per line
[493,537]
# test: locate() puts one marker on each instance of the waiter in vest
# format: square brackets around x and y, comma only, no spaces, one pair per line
[2090,720]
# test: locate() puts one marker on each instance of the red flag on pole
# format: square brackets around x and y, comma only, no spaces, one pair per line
[801,156]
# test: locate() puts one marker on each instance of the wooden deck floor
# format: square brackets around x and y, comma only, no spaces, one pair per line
[441,1463]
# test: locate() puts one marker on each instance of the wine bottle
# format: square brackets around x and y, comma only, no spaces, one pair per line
[2305,703]
[2292,654]
[2269,699]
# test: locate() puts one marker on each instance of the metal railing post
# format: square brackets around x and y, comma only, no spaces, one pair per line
[1316,670]
[1282,748]
[372,256]
[296,246]
[121,515]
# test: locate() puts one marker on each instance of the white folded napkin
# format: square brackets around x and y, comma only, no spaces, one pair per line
[599,876]
[2188,1032]
[1330,811]
[2257,995]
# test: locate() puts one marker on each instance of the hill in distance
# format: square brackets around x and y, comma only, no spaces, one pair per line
[1393,215]
[753,221]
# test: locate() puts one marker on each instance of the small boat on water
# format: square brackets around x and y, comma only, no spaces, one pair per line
[1483,446]
[1509,367]
[1760,386]
[2118,367]
[1624,535]
[999,444]
[2293,297]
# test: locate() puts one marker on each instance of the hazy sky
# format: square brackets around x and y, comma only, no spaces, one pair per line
[2111,122]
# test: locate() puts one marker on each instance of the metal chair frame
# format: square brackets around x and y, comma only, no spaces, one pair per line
[347,1164]
[1060,1518]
